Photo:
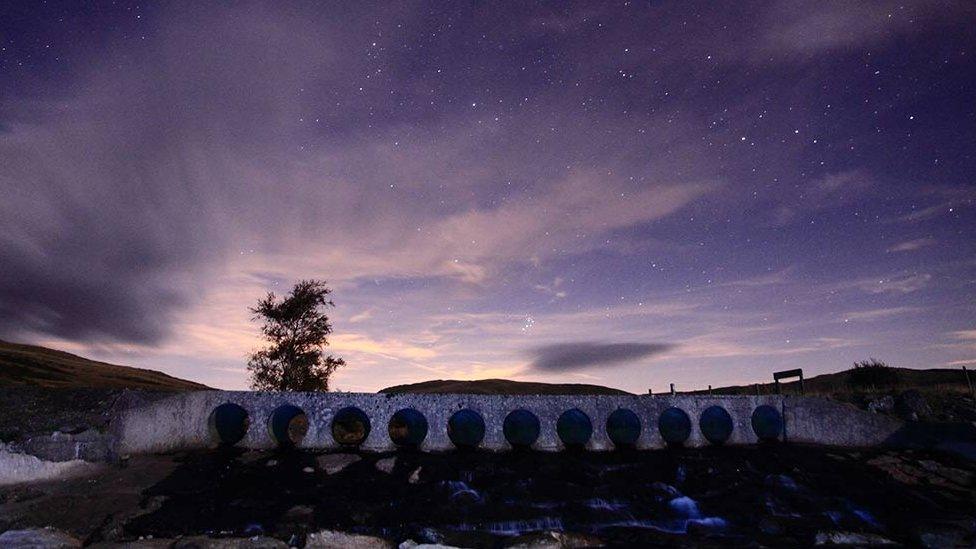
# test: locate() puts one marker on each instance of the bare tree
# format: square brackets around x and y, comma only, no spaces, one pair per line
[297,330]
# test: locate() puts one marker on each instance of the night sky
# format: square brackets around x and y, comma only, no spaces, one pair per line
[622,193]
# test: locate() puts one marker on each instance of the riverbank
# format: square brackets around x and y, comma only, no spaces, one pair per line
[768,494]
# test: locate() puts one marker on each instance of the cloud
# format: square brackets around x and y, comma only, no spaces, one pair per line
[711,346]
[112,218]
[217,147]
[583,203]
[565,357]
[833,190]
[351,342]
[811,27]
[964,334]
[362,316]
[900,284]
[553,289]
[947,201]
[912,245]
[153,190]
[876,314]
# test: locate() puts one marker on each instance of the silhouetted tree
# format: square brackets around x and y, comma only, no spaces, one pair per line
[297,329]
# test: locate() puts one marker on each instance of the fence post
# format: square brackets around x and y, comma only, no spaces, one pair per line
[672,389]
[972,392]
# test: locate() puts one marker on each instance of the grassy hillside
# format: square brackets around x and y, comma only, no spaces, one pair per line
[502,387]
[29,365]
[836,384]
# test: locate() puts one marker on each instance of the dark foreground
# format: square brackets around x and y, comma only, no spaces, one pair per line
[780,495]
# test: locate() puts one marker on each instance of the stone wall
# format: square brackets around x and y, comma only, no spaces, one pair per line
[183,421]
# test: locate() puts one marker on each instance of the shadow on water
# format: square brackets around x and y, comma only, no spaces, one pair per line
[769,494]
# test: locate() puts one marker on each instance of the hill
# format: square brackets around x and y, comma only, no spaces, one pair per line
[502,387]
[33,366]
[840,383]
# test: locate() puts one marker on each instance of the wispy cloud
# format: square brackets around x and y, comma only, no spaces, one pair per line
[804,28]
[948,200]
[912,245]
[833,190]
[899,284]
[553,289]
[877,314]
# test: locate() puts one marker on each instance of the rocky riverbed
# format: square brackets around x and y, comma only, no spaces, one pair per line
[769,494]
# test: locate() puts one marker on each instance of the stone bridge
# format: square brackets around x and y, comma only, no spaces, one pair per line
[440,422]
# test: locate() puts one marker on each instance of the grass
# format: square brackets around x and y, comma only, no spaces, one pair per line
[502,387]
[33,366]
[851,381]
[853,385]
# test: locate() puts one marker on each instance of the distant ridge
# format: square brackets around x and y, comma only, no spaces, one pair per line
[835,384]
[839,382]
[34,366]
[502,387]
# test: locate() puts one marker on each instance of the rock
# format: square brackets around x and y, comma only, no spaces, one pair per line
[851,538]
[411,544]
[333,463]
[308,470]
[386,465]
[415,476]
[924,471]
[882,405]
[943,538]
[299,513]
[431,536]
[254,530]
[547,540]
[898,469]
[957,476]
[43,538]
[664,492]
[778,507]
[87,445]
[17,468]
[362,517]
[272,462]
[465,496]
[707,525]
[330,539]
[161,543]
[684,507]
[203,542]
[780,483]
[250,457]
[911,404]
[770,526]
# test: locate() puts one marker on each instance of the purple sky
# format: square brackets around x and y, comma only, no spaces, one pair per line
[622,193]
